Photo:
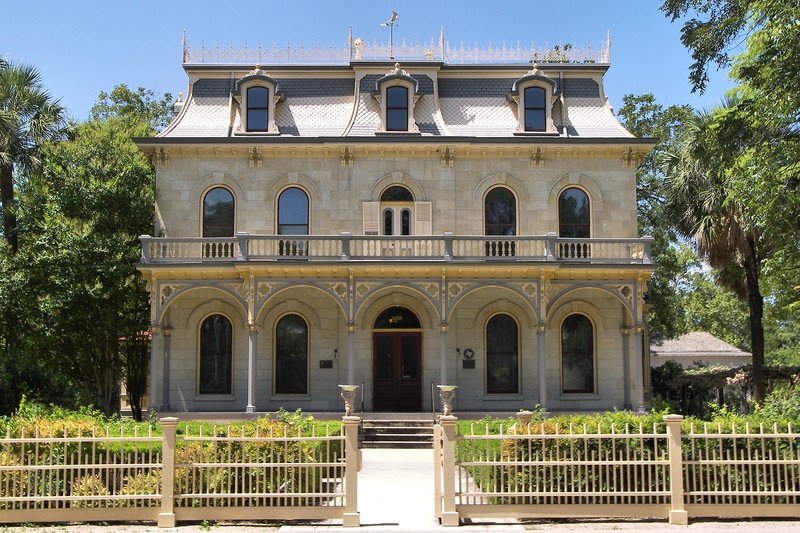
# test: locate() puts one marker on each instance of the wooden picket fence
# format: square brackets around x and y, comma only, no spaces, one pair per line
[547,471]
[226,475]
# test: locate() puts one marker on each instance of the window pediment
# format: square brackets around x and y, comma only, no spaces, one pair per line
[257,94]
[397,92]
[534,95]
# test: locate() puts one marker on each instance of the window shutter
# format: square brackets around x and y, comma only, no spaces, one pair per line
[423,218]
[371,217]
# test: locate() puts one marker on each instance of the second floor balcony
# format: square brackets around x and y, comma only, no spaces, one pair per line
[353,248]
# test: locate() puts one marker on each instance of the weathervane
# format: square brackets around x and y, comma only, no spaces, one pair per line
[391,24]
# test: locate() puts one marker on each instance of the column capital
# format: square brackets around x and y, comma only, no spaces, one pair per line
[540,328]
[252,328]
[443,327]
[626,330]
[167,331]
[351,327]
[155,329]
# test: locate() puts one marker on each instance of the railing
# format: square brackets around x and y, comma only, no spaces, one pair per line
[440,50]
[347,247]
[543,470]
[266,471]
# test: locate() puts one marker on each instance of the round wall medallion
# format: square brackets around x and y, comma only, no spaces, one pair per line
[468,353]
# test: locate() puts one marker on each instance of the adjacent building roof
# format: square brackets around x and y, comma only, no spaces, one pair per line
[698,346]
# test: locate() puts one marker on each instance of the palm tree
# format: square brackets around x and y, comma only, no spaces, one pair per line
[703,205]
[29,117]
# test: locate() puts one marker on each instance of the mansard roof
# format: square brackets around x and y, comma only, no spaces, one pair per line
[453,101]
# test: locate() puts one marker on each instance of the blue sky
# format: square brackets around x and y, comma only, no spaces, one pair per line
[84,47]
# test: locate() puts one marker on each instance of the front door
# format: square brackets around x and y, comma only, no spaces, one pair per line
[397,371]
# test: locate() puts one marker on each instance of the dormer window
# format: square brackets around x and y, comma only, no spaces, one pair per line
[257,109]
[397,108]
[396,92]
[257,94]
[534,94]
[535,109]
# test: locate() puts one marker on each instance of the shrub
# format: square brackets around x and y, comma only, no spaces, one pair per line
[89,485]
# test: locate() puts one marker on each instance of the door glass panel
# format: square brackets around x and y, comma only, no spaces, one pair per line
[384,356]
[409,357]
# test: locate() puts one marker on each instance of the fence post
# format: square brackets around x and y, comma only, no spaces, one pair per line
[437,471]
[351,517]
[449,514]
[166,518]
[677,514]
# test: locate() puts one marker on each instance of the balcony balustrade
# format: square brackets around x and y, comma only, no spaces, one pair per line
[350,248]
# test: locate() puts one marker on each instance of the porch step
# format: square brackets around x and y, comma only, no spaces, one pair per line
[397,434]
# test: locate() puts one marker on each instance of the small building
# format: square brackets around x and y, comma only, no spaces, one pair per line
[697,348]
[446,216]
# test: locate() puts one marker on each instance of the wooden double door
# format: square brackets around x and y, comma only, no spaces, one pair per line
[397,371]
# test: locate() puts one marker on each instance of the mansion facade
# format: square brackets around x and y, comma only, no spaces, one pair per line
[396,224]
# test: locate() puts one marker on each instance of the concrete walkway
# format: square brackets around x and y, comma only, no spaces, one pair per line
[395,493]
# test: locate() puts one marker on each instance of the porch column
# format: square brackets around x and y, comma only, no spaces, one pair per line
[165,378]
[639,377]
[351,353]
[251,367]
[443,354]
[151,400]
[542,366]
[626,366]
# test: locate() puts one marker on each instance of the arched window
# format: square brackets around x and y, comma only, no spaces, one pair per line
[218,213]
[574,214]
[216,355]
[397,109]
[396,203]
[257,109]
[291,355]
[293,212]
[502,355]
[577,355]
[500,212]
[397,318]
[535,112]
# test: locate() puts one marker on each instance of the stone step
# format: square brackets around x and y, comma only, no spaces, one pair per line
[397,434]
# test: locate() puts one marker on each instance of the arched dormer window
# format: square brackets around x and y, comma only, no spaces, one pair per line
[257,94]
[397,108]
[535,110]
[257,108]
[534,94]
[397,92]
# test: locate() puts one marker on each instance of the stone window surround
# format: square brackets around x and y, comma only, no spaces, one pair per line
[517,95]
[396,78]
[258,78]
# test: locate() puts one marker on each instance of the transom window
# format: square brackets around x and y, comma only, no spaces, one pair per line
[577,355]
[293,212]
[500,212]
[397,109]
[502,355]
[535,111]
[574,214]
[218,213]
[216,355]
[291,355]
[397,318]
[257,109]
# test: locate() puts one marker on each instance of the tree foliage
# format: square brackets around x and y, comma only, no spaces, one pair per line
[81,305]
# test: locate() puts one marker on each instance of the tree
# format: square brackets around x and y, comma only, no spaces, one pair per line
[644,117]
[701,198]
[29,117]
[142,111]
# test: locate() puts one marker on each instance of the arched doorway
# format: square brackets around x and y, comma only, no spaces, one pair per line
[397,361]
